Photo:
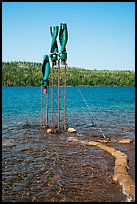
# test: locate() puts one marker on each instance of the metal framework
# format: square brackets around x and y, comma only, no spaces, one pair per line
[58,59]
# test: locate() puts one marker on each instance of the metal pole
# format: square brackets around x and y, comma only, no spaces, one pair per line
[41,116]
[65,94]
[58,94]
[52,95]
[47,108]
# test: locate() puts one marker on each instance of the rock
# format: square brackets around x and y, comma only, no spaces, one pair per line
[127,129]
[53,130]
[8,142]
[125,141]
[72,139]
[49,130]
[71,130]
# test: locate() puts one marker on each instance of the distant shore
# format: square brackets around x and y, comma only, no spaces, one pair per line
[30,74]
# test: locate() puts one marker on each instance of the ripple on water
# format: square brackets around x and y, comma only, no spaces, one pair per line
[40,167]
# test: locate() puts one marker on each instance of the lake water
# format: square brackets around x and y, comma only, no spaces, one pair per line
[37,166]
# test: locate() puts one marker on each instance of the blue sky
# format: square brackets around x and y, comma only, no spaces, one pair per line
[101,35]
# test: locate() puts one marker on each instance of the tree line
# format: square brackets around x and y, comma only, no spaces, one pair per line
[30,74]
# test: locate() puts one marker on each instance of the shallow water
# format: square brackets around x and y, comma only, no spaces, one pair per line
[37,166]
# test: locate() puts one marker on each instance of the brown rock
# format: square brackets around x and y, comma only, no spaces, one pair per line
[125,141]
[49,130]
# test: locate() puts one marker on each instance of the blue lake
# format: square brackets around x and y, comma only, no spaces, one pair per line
[41,167]
[103,105]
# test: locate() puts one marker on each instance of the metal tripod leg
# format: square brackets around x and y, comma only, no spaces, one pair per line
[47,108]
[41,115]
[65,90]
[58,94]
[52,95]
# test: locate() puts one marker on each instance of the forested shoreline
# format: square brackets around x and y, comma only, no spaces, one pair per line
[30,74]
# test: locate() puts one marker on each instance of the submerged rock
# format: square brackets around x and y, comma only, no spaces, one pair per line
[53,131]
[8,142]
